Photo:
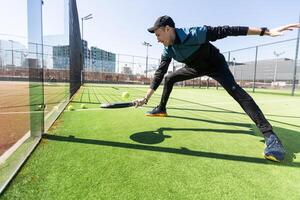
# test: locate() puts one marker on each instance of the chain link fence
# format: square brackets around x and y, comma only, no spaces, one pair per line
[273,66]
[269,66]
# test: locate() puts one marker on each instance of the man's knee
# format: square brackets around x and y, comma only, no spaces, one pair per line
[170,79]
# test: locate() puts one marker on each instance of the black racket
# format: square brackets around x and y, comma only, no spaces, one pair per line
[117,105]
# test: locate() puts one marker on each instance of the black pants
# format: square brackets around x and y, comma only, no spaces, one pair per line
[219,71]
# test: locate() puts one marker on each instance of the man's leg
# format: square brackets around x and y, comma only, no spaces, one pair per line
[181,74]
[223,75]
[246,102]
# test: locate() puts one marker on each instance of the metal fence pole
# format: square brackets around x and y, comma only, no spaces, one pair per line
[173,66]
[228,59]
[255,66]
[82,79]
[296,62]
[241,76]
[37,51]
[233,63]
[199,82]
[12,52]
[118,69]
[133,65]
[1,57]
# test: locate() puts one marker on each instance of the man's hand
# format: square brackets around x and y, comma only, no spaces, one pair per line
[279,31]
[140,102]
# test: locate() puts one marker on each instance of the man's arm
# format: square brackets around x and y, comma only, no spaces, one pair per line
[158,76]
[273,32]
[219,32]
[160,72]
[215,33]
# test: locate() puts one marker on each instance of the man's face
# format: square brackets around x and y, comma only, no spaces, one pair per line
[163,36]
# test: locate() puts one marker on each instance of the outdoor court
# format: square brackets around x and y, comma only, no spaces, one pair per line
[207,148]
[14,109]
[16,98]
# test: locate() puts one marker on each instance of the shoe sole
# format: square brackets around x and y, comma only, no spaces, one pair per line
[272,158]
[157,115]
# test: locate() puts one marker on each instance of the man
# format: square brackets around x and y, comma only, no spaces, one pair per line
[192,47]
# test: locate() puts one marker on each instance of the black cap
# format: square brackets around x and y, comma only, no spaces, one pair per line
[161,22]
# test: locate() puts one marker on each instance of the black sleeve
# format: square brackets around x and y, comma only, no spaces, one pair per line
[219,32]
[160,72]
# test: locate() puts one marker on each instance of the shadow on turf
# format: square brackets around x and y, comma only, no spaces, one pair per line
[157,136]
[221,110]
[289,137]
[245,125]
[228,111]
[149,137]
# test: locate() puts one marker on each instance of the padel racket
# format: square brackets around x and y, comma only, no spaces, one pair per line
[117,105]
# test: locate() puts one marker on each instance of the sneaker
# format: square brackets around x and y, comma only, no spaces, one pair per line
[274,149]
[157,112]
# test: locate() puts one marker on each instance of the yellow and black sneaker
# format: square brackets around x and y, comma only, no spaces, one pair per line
[274,150]
[157,112]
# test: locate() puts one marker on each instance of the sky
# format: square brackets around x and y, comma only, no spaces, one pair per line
[121,26]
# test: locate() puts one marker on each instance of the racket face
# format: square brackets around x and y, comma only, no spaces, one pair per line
[117,105]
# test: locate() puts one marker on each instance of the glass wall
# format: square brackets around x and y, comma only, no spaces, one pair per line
[34,76]
[56,58]
[14,85]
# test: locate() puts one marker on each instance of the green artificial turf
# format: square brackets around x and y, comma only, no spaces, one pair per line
[206,149]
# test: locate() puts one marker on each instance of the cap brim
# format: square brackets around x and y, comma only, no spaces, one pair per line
[152,29]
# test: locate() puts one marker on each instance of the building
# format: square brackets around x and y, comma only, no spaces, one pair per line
[51,51]
[102,60]
[86,53]
[61,57]
[95,59]
[269,70]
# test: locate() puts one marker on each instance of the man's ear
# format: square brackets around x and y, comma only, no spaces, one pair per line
[167,28]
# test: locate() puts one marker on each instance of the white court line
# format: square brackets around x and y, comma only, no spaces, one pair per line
[13,148]
[233,101]
[91,109]
[170,105]
[208,104]
[12,113]
[87,109]
[55,110]
[28,112]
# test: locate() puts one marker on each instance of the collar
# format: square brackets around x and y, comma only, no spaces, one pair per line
[181,35]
